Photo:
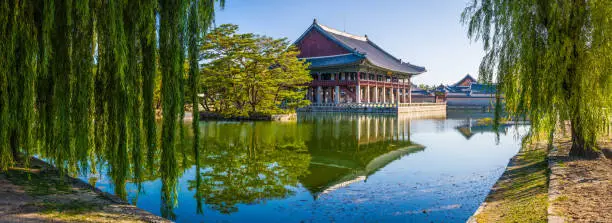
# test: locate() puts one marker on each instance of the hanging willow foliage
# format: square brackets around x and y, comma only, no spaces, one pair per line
[61,70]
[6,155]
[17,79]
[553,62]
[133,86]
[171,20]
[194,70]
[201,16]
[148,40]
[71,68]
[82,86]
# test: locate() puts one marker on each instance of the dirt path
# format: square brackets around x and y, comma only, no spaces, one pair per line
[580,189]
[40,194]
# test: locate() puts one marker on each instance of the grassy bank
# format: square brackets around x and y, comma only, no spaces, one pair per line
[40,194]
[521,193]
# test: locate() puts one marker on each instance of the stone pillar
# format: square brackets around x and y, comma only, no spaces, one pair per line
[391,95]
[337,94]
[384,95]
[367,92]
[357,93]
[397,96]
[375,94]
[400,95]
[319,96]
[409,94]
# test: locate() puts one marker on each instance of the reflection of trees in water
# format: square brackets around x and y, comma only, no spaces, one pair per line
[236,163]
[248,164]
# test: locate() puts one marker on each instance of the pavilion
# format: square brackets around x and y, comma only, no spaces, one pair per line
[350,69]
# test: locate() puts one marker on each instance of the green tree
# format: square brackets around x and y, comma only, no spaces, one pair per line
[247,74]
[553,62]
[426,87]
[66,63]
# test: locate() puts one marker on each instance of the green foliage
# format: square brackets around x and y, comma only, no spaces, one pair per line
[552,59]
[427,87]
[71,68]
[19,50]
[247,74]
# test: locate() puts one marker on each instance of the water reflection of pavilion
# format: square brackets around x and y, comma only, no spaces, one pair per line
[346,149]
[471,128]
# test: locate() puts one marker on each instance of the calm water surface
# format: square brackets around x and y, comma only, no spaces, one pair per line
[324,167]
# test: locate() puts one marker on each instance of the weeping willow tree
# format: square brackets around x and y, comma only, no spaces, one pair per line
[553,62]
[198,11]
[204,11]
[18,70]
[80,75]
[174,17]
[82,86]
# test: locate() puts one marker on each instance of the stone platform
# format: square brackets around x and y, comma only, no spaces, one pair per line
[416,109]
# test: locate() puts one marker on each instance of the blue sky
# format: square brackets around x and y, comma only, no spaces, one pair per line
[424,32]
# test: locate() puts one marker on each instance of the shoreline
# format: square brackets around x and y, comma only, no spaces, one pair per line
[41,194]
[520,193]
[538,186]
[208,116]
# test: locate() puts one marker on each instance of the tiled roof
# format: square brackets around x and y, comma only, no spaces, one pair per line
[467,76]
[474,88]
[362,46]
[483,88]
[330,61]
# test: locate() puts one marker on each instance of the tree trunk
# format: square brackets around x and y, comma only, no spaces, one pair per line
[580,147]
[14,145]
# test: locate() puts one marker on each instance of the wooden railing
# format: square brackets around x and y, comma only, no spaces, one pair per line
[353,105]
[333,82]
[383,83]
[361,82]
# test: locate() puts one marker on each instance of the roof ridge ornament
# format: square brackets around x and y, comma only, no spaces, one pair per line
[338,32]
[314,21]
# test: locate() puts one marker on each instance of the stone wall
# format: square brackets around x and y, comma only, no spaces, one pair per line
[420,109]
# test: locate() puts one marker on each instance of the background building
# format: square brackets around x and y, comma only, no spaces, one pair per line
[465,93]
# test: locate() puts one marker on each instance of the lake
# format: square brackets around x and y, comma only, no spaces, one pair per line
[321,168]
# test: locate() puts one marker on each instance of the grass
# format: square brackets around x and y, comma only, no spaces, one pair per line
[37,183]
[68,208]
[521,194]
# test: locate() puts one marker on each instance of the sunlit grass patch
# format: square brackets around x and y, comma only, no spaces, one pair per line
[39,183]
[521,193]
